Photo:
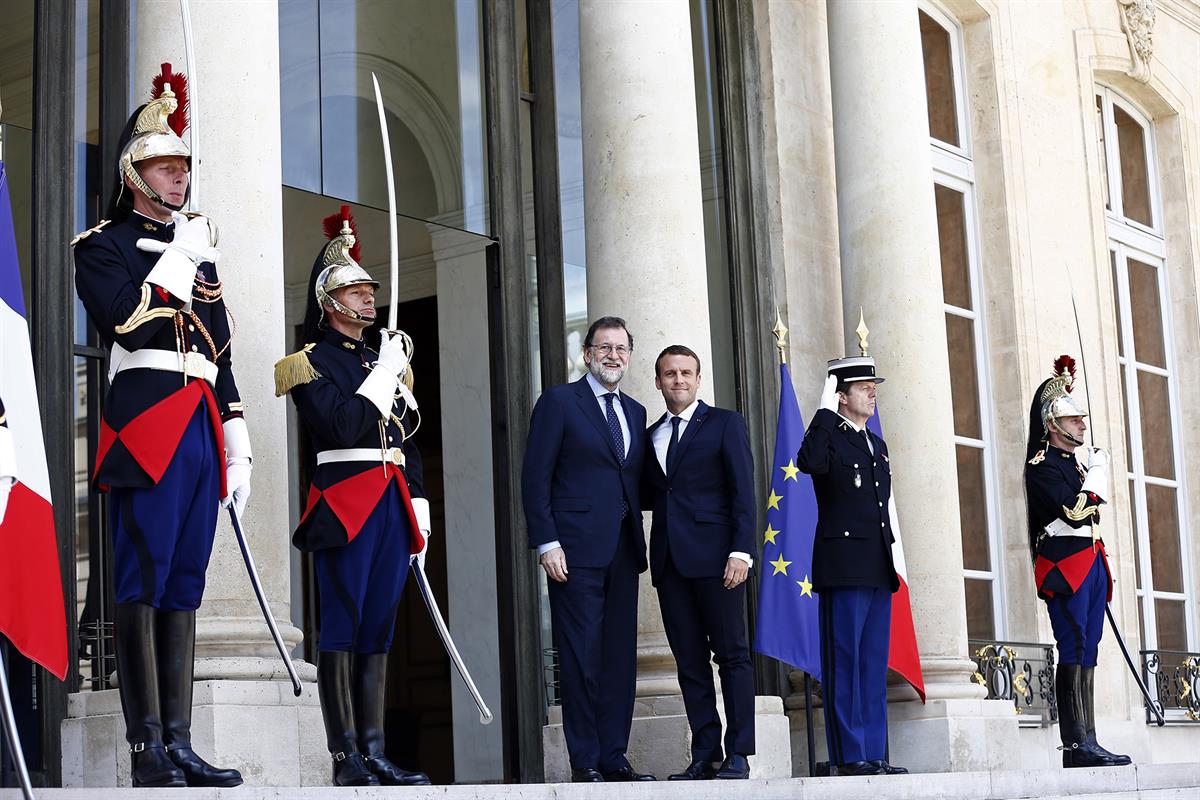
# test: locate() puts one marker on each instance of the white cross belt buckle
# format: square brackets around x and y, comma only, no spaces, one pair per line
[194,365]
[394,455]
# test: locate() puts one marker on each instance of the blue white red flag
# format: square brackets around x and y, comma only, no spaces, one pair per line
[32,613]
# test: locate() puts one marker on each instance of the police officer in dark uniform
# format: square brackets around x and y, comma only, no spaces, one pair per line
[1065,485]
[852,566]
[173,440]
[366,514]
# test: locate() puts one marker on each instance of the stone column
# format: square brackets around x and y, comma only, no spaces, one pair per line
[891,268]
[241,683]
[646,263]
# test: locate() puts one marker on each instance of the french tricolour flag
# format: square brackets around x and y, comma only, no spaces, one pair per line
[32,615]
[903,657]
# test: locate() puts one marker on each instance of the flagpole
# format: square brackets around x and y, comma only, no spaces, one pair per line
[10,732]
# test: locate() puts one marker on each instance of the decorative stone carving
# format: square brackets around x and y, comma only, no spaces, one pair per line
[1137,20]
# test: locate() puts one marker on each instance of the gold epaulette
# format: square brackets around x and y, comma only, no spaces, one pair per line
[1039,458]
[80,237]
[293,370]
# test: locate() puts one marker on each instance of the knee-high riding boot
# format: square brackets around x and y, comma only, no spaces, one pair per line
[1087,688]
[370,684]
[176,668]
[137,673]
[1072,727]
[334,670]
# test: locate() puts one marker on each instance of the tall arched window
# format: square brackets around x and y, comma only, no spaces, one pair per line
[1149,391]
[958,237]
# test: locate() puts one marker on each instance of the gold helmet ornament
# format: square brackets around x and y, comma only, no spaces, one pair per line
[338,263]
[1056,401]
[156,132]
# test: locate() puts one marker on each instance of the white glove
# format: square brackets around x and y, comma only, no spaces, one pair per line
[829,398]
[6,483]
[391,354]
[237,483]
[193,244]
[421,511]
[1096,481]
[238,458]
[1096,458]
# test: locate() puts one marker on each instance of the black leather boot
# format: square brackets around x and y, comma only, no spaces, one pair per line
[176,666]
[370,683]
[137,674]
[1087,688]
[1072,727]
[333,686]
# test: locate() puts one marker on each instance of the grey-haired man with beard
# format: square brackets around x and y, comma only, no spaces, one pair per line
[580,479]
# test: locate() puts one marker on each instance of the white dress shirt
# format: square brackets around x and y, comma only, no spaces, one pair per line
[600,390]
[661,439]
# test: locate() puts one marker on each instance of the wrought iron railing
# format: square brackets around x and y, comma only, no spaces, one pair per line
[1173,679]
[1020,672]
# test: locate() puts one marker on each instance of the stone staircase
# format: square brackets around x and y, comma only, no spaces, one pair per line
[1138,782]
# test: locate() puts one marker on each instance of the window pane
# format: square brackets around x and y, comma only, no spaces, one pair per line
[952,241]
[1112,260]
[980,624]
[1103,153]
[300,93]
[964,382]
[1157,444]
[1148,346]
[939,80]
[1125,416]
[1172,631]
[1161,509]
[1135,180]
[972,508]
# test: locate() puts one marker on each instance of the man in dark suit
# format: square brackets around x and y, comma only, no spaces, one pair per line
[579,484]
[853,570]
[699,480]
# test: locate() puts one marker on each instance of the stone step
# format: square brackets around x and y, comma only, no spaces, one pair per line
[1138,782]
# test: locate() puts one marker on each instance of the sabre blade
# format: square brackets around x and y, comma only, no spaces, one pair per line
[439,622]
[189,55]
[394,253]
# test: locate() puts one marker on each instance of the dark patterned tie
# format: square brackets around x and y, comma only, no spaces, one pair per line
[673,444]
[614,426]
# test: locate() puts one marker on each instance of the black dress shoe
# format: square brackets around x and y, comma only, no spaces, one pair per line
[860,768]
[736,767]
[888,769]
[198,772]
[696,771]
[586,775]
[626,774]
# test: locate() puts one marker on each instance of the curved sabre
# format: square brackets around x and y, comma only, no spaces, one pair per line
[394,256]
[189,55]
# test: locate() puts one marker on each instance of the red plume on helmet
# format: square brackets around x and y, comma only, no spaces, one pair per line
[333,228]
[1065,363]
[179,119]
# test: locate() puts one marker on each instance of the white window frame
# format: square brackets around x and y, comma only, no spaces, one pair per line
[1129,239]
[954,169]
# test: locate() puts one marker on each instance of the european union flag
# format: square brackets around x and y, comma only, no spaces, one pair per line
[788,629]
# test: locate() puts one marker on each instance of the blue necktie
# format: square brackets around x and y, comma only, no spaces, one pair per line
[614,426]
[673,444]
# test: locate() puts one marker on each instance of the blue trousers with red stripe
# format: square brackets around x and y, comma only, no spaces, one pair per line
[163,534]
[1078,619]
[855,632]
[360,582]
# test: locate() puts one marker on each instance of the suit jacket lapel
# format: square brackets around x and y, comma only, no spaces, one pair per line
[856,437]
[689,433]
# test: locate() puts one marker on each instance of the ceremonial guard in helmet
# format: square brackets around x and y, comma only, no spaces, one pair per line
[1065,485]
[853,571]
[173,444]
[366,514]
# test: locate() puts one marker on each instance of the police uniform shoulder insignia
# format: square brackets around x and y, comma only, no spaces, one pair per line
[843,425]
[1039,458]
[348,345]
[81,236]
[294,370]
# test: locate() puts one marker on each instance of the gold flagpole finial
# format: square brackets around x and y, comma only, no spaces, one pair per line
[780,330]
[862,332]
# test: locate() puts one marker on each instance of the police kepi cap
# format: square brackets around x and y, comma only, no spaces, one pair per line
[853,369]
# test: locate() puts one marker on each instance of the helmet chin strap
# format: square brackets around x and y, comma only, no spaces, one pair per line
[1062,432]
[352,314]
